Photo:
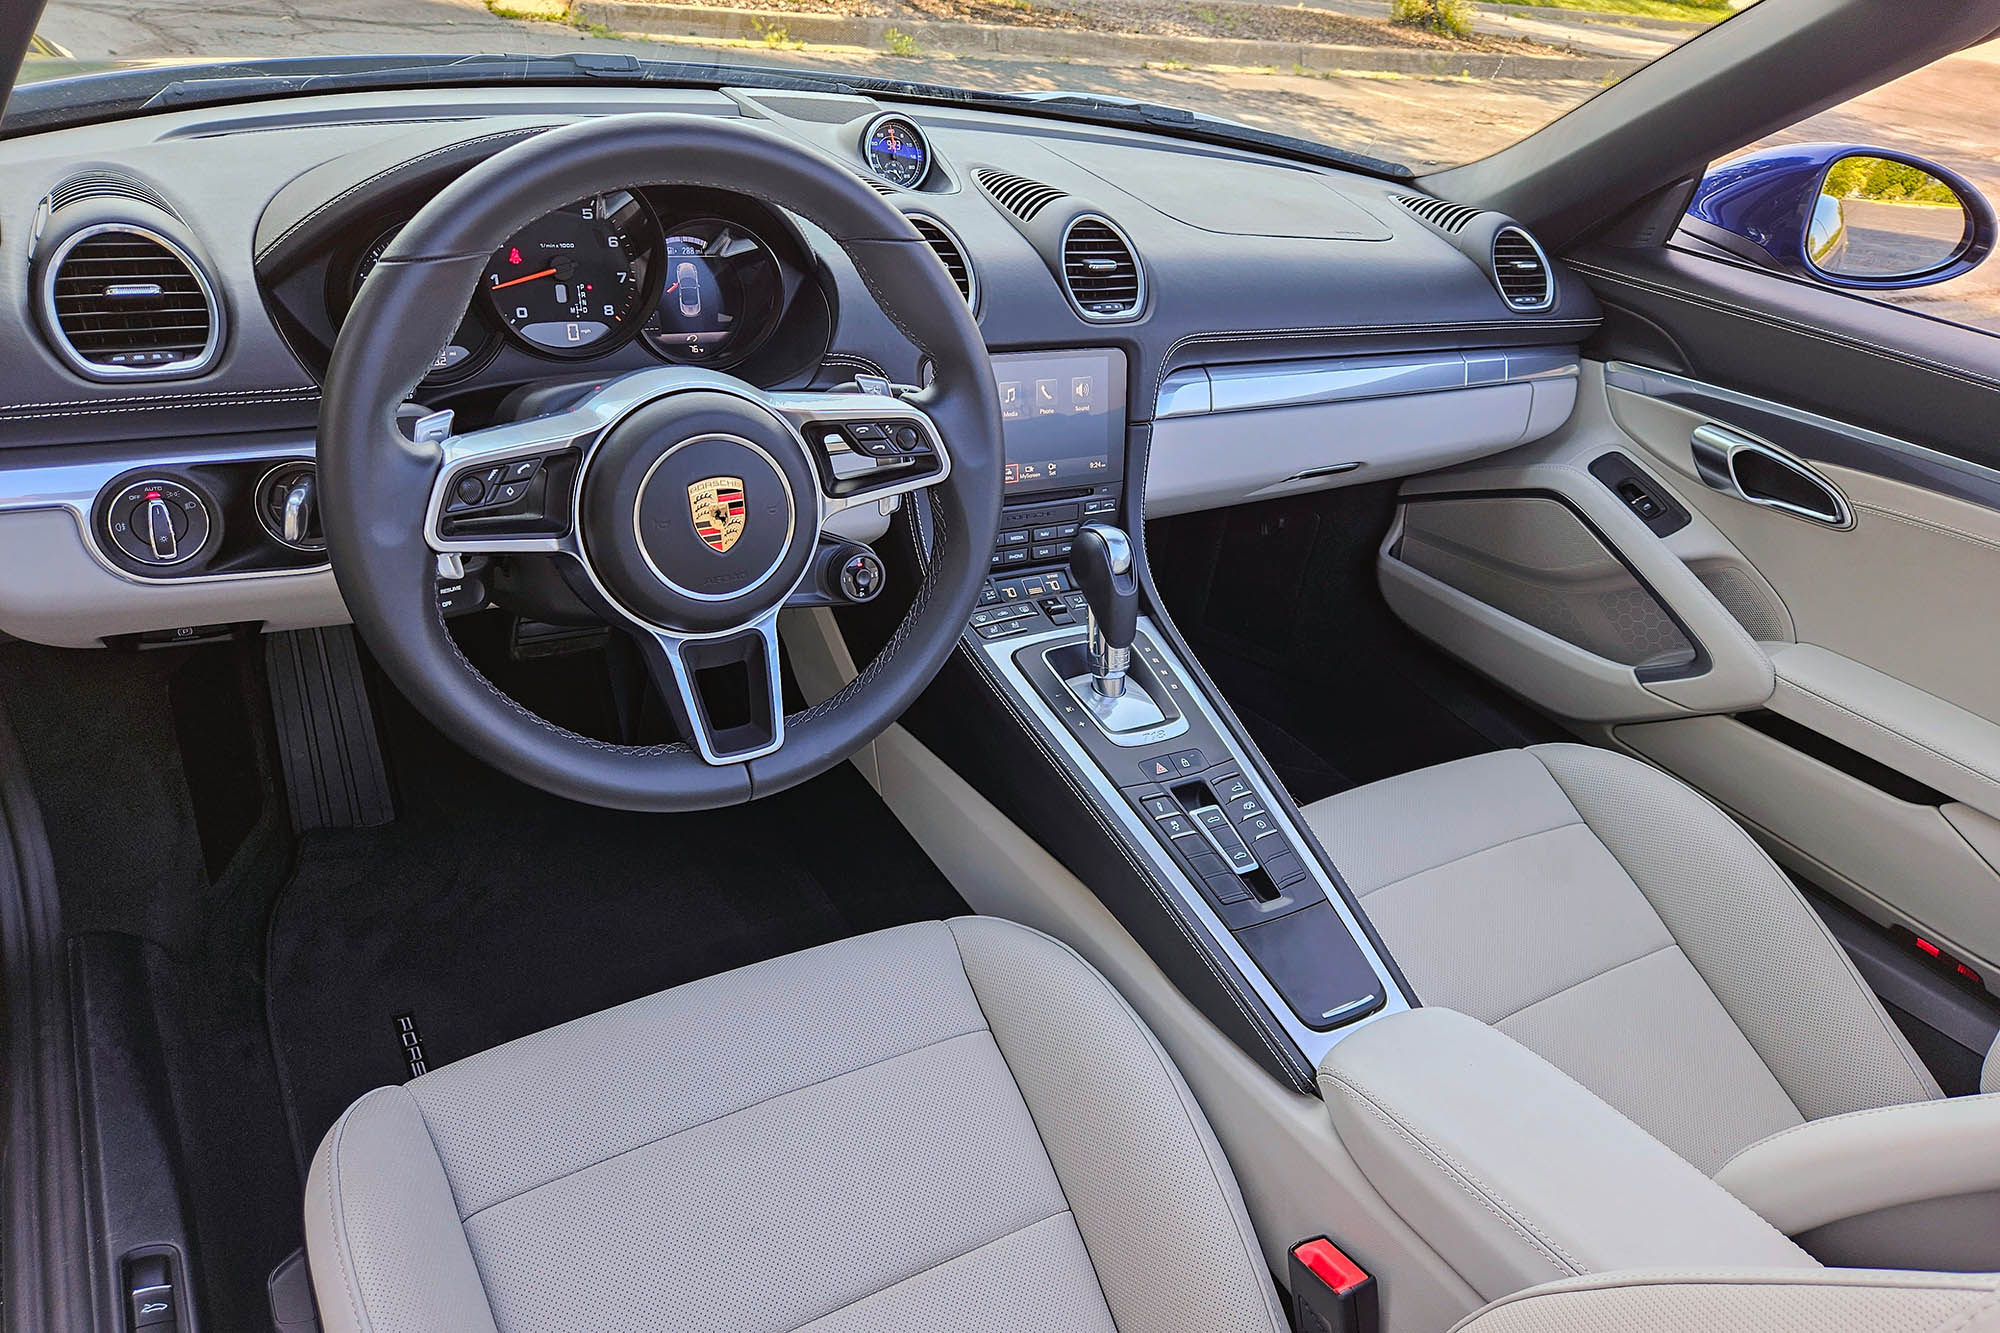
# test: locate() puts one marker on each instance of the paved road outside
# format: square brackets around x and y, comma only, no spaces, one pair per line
[1950,112]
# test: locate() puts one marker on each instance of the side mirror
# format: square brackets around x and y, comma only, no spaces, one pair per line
[1844,215]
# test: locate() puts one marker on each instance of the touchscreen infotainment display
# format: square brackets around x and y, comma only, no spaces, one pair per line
[1064,418]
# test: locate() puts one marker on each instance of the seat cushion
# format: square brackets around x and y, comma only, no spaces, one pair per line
[1610,918]
[939,1125]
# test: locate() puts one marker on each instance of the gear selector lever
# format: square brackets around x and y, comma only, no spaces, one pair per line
[1101,561]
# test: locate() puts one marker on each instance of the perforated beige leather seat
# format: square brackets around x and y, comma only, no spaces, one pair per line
[945,1126]
[1611,919]
[941,1126]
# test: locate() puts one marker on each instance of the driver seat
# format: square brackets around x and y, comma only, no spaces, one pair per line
[943,1125]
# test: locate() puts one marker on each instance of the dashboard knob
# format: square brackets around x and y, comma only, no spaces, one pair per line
[158,521]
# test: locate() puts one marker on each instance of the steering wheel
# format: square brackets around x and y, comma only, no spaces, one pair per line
[684,506]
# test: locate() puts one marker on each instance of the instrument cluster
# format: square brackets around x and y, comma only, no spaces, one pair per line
[697,277]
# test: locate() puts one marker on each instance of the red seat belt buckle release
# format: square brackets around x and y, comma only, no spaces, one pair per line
[1330,1292]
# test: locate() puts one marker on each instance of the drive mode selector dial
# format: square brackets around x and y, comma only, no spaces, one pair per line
[158,522]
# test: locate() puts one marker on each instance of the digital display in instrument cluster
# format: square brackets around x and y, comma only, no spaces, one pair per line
[720,293]
[1063,414]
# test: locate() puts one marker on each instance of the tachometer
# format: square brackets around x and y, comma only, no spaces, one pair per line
[896,150]
[720,293]
[574,283]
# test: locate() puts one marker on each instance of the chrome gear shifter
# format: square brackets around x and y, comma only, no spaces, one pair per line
[1101,561]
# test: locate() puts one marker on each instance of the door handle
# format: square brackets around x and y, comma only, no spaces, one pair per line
[1763,474]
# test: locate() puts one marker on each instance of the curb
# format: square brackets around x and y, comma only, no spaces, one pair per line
[647,19]
[1598,18]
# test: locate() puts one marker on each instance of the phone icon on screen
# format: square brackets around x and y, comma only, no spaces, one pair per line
[1045,398]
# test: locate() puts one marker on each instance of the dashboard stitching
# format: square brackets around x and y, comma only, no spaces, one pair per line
[77,407]
[1814,331]
[397,169]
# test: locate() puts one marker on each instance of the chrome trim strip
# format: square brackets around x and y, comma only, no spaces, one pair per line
[74,484]
[1313,1045]
[1259,385]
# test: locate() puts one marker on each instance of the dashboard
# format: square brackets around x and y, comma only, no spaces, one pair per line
[1200,322]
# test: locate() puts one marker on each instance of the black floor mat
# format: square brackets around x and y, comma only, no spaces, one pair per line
[488,911]
[1279,601]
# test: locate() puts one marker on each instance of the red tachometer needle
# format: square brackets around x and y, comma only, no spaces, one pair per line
[526,277]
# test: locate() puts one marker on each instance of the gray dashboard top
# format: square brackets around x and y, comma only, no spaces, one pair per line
[1246,258]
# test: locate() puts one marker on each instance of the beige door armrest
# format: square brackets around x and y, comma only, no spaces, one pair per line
[1912,731]
[1847,1165]
[1514,1172]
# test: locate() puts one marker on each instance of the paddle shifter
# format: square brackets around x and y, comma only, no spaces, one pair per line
[1101,561]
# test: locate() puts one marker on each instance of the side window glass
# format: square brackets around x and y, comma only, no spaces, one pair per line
[1881,195]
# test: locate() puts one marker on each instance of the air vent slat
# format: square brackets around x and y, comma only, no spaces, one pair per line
[1022,197]
[1446,216]
[1521,270]
[103,306]
[945,246]
[1100,270]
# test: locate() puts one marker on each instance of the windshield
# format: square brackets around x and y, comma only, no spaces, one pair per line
[1423,83]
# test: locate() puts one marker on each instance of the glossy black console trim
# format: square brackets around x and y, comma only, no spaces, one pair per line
[1138,458]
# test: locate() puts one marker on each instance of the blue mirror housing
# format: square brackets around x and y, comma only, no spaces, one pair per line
[1768,207]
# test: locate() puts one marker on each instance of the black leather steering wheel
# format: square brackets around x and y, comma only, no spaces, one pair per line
[685,506]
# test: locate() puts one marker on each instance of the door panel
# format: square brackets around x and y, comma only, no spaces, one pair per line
[1912,590]
[1873,643]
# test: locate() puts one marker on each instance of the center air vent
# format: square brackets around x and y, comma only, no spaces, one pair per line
[123,301]
[1099,270]
[1521,270]
[1440,213]
[949,252]
[1017,194]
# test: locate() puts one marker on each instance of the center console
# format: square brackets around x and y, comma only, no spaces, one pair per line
[1061,627]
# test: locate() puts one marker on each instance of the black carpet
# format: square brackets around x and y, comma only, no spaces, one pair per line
[488,911]
[1279,601]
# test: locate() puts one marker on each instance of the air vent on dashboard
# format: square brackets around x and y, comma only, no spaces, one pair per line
[1440,213]
[1521,270]
[1017,194]
[949,252]
[1099,270]
[101,185]
[123,301]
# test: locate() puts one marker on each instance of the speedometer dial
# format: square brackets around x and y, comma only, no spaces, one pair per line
[896,150]
[574,283]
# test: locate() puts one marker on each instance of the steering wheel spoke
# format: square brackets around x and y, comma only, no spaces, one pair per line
[725,691]
[510,489]
[866,447]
